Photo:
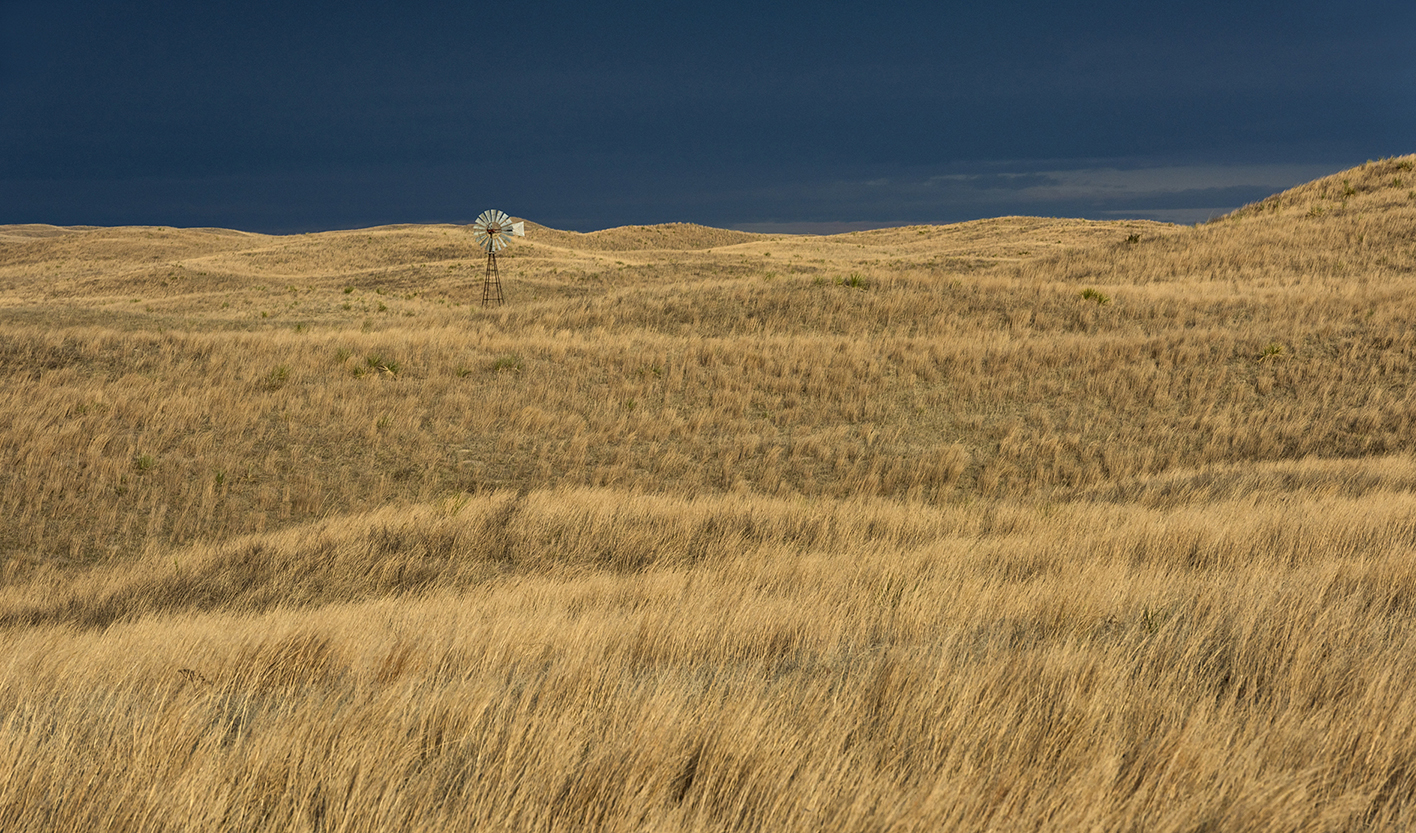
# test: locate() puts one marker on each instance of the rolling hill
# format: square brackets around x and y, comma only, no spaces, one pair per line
[1017,523]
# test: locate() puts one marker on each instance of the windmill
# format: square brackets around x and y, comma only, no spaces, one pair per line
[494,230]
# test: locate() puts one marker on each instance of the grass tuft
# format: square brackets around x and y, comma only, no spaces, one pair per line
[510,363]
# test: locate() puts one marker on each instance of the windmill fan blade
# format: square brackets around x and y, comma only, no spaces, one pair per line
[493,227]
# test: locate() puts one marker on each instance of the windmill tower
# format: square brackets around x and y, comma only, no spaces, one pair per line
[494,231]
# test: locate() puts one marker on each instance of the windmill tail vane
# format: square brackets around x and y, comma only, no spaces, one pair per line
[493,230]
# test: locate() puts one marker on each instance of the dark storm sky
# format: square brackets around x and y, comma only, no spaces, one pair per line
[294,116]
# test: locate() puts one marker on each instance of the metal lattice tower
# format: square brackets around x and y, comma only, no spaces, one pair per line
[494,230]
[491,284]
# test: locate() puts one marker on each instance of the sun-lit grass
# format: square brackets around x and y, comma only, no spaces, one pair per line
[1017,524]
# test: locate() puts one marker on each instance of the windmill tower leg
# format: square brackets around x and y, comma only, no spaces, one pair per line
[491,285]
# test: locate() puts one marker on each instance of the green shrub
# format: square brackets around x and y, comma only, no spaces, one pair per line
[510,362]
[378,364]
[276,379]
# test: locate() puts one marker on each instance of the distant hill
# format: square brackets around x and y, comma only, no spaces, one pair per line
[1381,184]
[688,236]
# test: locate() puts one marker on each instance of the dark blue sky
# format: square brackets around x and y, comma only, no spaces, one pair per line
[292,116]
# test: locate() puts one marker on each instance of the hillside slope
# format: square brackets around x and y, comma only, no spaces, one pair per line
[1025,523]
[165,386]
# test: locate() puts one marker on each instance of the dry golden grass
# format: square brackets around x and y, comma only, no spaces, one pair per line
[1016,524]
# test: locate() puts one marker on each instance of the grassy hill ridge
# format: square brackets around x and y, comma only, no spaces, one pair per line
[1020,523]
[332,372]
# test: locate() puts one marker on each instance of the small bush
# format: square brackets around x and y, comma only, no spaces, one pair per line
[276,379]
[510,362]
[1100,298]
[378,364]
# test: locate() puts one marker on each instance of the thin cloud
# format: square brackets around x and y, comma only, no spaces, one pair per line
[1171,193]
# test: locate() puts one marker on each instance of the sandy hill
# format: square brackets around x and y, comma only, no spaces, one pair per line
[665,236]
[1386,186]
[1025,523]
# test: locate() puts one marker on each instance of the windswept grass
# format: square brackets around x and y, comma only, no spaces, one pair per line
[1018,524]
[558,660]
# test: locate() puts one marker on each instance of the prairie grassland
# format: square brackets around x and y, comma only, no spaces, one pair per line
[1016,524]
